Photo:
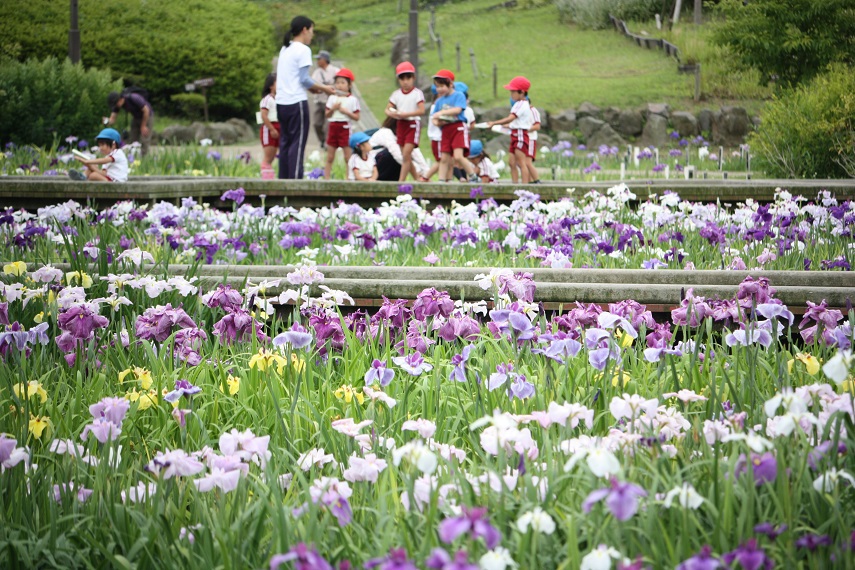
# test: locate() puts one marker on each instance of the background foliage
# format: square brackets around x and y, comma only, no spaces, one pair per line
[159,44]
[792,40]
[809,132]
[30,110]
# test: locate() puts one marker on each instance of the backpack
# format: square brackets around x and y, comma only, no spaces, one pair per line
[135,89]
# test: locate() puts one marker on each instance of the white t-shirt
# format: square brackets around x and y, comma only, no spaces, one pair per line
[269,103]
[488,169]
[434,132]
[408,102]
[117,170]
[385,138]
[469,115]
[289,90]
[535,120]
[524,119]
[365,167]
[348,102]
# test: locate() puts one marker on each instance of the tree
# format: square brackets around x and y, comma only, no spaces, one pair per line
[788,41]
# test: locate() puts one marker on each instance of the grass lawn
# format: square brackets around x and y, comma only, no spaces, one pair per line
[566,65]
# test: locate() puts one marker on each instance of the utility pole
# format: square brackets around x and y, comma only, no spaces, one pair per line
[74,35]
[414,36]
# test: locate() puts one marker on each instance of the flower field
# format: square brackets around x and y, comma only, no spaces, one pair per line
[148,423]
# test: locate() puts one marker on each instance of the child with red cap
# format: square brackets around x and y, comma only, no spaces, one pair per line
[407,105]
[449,115]
[342,108]
[519,121]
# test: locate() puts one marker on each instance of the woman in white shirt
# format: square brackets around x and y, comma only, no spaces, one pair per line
[292,100]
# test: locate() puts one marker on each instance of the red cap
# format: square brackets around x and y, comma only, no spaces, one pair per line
[518,83]
[405,67]
[444,74]
[346,73]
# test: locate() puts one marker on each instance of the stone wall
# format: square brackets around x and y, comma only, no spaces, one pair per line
[229,132]
[649,125]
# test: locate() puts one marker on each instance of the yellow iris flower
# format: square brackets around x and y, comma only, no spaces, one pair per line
[233,382]
[298,363]
[16,268]
[39,318]
[623,378]
[347,393]
[265,359]
[624,340]
[811,363]
[38,424]
[141,375]
[78,277]
[32,388]
[145,399]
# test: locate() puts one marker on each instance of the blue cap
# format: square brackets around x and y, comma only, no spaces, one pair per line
[110,134]
[357,139]
[460,86]
[475,148]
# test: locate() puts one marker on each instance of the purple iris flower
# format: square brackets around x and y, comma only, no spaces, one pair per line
[237,326]
[182,388]
[745,337]
[770,530]
[431,302]
[473,521]
[521,284]
[395,560]
[749,557]
[81,321]
[395,313]
[812,541]
[820,313]
[458,361]
[379,373]
[303,557]
[215,156]
[439,559]
[703,560]
[764,467]
[621,499]
[157,323]
[462,327]
[238,194]
[223,296]
[838,262]
[188,345]
[818,454]
[653,264]
[405,189]
[103,429]
[774,310]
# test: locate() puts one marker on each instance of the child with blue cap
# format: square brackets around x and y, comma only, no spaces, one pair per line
[362,165]
[114,164]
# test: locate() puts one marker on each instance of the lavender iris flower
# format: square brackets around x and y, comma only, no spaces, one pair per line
[621,499]
[238,194]
[182,388]
[303,557]
[703,560]
[157,323]
[764,467]
[458,373]
[295,338]
[473,521]
[413,363]
[81,321]
[379,373]
[395,560]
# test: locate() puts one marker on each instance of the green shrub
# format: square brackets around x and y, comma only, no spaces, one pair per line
[192,105]
[281,14]
[788,41]
[158,44]
[48,100]
[809,132]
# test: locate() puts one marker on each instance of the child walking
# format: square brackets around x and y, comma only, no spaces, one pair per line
[449,116]
[519,121]
[362,164]
[114,164]
[407,105]
[342,108]
[269,127]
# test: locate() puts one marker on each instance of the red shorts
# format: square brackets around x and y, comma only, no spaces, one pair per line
[455,135]
[408,132]
[532,149]
[434,146]
[519,141]
[338,135]
[267,139]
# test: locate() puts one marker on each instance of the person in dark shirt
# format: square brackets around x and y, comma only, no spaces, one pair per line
[142,116]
